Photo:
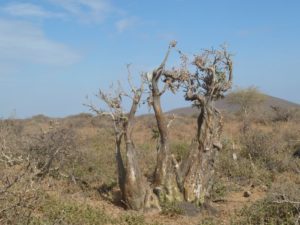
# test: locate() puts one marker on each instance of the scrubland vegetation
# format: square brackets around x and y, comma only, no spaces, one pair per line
[79,186]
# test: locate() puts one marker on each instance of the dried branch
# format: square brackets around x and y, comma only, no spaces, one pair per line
[158,72]
[284,199]
[130,79]
[171,121]
[212,78]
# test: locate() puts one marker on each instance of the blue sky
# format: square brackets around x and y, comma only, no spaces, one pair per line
[55,52]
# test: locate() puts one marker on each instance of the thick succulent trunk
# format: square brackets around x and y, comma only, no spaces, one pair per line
[136,192]
[197,170]
[120,164]
[165,183]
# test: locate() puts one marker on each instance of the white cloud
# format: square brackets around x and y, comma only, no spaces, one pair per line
[125,24]
[91,11]
[24,42]
[29,10]
[86,10]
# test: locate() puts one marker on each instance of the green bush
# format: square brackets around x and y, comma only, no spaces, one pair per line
[268,150]
[56,211]
[243,170]
[134,220]
[267,212]
[218,191]
[209,221]
[180,150]
[280,206]
[171,209]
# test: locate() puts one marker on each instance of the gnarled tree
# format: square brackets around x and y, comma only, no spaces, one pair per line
[165,181]
[213,77]
[135,190]
[190,179]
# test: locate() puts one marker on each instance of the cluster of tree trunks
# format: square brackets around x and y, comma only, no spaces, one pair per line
[190,179]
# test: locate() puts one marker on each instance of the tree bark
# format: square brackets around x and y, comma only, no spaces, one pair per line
[165,183]
[134,188]
[137,194]
[120,164]
[198,169]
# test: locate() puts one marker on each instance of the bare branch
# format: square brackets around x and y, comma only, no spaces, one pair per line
[158,72]
[171,121]
[130,79]
[213,77]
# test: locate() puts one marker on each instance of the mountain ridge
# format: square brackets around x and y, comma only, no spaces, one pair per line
[225,105]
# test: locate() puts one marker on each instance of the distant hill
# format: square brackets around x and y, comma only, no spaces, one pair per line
[225,105]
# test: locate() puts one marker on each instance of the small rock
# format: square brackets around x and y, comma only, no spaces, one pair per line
[234,156]
[247,194]
[264,188]
[157,191]
[297,153]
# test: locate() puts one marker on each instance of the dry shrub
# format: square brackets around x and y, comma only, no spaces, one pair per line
[280,114]
[261,154]
[241,170]
[281,205]
[10,137]
[19,194]
[53,150]
[180,150]
[269,149]
[18,191]
[62,211]
[95,164]
[287,186]
[266,212]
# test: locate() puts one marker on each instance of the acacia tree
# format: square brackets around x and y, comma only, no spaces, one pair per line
[190,179]
[248,100]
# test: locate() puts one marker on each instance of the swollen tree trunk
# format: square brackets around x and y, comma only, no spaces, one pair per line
[165,181]
[137,194]
[134,186]
[135,189]
[198,169]
[212,79]
[120,164]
